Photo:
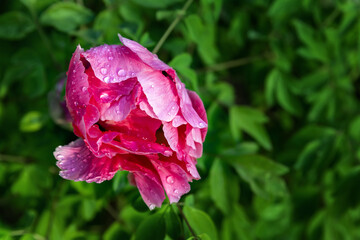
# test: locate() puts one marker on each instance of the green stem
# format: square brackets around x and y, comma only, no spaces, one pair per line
[12,159]
[172,26]
[232,64]
[187,222]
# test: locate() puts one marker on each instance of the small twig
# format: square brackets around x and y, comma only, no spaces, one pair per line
[187,222]
[180,15]
[232,64]
[12,159]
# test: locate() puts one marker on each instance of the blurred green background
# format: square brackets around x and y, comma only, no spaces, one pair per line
[280,82]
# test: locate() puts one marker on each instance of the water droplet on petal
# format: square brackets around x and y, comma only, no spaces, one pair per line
[117,111]
[179,86]
[170,179]
[110,58]
[201,125]
[104,95]
[59,157]
[73,169]
[84,89]
[75,103]
[106,79]
[152,85]
[173,108]
[151,206]
[103,71]
[176,191]
[121,73]
[74,71]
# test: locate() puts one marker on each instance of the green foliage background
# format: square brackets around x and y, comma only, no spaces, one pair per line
[280,82]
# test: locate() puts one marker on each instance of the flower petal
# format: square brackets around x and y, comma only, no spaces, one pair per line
[114,63]
[146,179]
[78,163]
[160,93]
[76,81]
[173,178]
[145,55]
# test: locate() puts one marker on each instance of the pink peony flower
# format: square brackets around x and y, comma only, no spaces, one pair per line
[131,112]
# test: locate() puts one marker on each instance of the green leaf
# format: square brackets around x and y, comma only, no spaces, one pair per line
[285,98]
[203,36]
[174,226]
[202,236]
[116,231]
[200,222]
[262,174]
[270,86]
[32,121]
[37,5]
[108,23]
[88,208]
[66,16]
[250,121]
[120,181]
[153,227]
[155,3]
[31,182]
[15,25]
[315,48]
[218,187]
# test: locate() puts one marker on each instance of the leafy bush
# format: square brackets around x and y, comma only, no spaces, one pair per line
[280,82]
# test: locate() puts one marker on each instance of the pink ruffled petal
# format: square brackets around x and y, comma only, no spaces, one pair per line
[173,178]
[150,190]
[119,109]
[160,93]
[114,63]
[144,175]
[145,55]
[187,109]
[76,82]
[79,164]
[200,109]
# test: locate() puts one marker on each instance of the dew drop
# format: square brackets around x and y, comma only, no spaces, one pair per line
[84,89]
[133,74]
[152,85]
[201,124]
[103,71]
[73,169]
[74,71]
[75,103]
[170,179]
[106,79]
[179,86]
[121,73]
[60,157]
[151,206]
[176,191]
[104,95]
[117,111]
[110,58]
[173,108]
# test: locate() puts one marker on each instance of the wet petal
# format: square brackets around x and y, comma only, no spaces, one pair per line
[173,178]
[145,55]
[76,81]
[160,93]
[78,163]
[113,63]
